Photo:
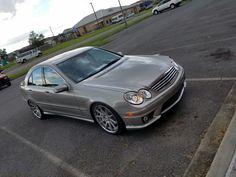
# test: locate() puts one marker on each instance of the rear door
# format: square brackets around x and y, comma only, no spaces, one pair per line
[36,91]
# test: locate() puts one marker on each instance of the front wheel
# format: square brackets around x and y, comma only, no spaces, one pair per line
[107,119]
[9,83]
[37,112]
[155,12]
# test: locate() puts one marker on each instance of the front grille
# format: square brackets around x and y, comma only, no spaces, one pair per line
[168,78]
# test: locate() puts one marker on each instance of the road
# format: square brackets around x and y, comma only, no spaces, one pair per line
[201,37]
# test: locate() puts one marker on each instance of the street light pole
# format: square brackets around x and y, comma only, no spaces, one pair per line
[94,12]
[123,13]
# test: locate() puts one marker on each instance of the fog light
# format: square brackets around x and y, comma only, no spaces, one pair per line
[145,119]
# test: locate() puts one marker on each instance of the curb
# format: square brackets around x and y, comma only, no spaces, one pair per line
[221,165]
[209,145]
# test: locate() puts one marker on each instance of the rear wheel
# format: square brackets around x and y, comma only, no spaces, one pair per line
[172,6]
[107,119]
[24,60]
[37,112]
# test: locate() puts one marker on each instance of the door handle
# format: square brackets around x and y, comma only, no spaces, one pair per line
[46,92]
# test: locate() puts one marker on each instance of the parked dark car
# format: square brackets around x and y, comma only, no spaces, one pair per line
[4,79]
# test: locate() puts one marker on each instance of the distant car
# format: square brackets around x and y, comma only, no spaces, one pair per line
[116,19]
[96,85]
[165,4]
[4,80]
[23,57]
[130,15]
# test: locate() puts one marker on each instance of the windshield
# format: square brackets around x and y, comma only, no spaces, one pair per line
[88,63]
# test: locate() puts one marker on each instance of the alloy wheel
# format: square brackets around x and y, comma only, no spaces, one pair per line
[106,119]
[36,110]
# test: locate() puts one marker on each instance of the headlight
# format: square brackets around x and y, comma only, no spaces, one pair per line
[133,98]
[137,97]
[145,94]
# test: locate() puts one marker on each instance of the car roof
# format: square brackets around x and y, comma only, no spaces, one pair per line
[64,56]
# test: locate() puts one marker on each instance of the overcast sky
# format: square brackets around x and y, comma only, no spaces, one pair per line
[19,17]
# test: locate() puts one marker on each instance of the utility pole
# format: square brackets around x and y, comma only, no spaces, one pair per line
[94,12]
[51,31]
[123,14]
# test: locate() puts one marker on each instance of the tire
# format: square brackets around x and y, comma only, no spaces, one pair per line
[37,112]
[24,61]
[107,119]
[9,84]
[172,6]
[155,12]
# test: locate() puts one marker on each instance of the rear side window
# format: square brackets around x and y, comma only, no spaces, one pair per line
[36,78]
[52,79]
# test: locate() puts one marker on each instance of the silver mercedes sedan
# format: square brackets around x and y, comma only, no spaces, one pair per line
[116,91]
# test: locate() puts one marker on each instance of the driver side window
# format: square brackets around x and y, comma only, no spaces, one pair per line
[164,1]
[52,79]
[35,78]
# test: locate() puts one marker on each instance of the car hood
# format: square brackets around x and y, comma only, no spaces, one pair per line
[131,73]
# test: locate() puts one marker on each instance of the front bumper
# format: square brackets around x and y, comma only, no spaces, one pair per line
[176,98]
[153,110]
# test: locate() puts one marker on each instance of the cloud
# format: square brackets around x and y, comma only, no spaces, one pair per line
[9,6]
[23,37]
[17,39]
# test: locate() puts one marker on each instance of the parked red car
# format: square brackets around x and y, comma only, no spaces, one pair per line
[4,79]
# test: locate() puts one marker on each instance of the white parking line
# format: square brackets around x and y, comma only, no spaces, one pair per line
[200,43]
[52,158]
[211,79]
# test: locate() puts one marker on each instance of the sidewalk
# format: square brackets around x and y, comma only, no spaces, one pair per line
[224,163]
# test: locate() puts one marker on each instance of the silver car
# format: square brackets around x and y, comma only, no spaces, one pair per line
[117,92]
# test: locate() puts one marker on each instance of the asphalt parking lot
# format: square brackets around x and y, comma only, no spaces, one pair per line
[201,37]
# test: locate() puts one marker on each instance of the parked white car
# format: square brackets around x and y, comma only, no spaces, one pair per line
[23,57]
[118,18]
[165,4]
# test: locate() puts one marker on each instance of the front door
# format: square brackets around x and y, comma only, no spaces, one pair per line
[61,103]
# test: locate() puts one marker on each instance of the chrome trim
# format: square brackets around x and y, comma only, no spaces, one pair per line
[73,117]
[166,79]
[155,118]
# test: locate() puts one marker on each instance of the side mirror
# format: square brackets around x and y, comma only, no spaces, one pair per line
[22,84]
[61,88]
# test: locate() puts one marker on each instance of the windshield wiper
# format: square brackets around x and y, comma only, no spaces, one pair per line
[109,64]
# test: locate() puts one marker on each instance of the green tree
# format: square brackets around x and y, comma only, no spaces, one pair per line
[3,53]
[36,40]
